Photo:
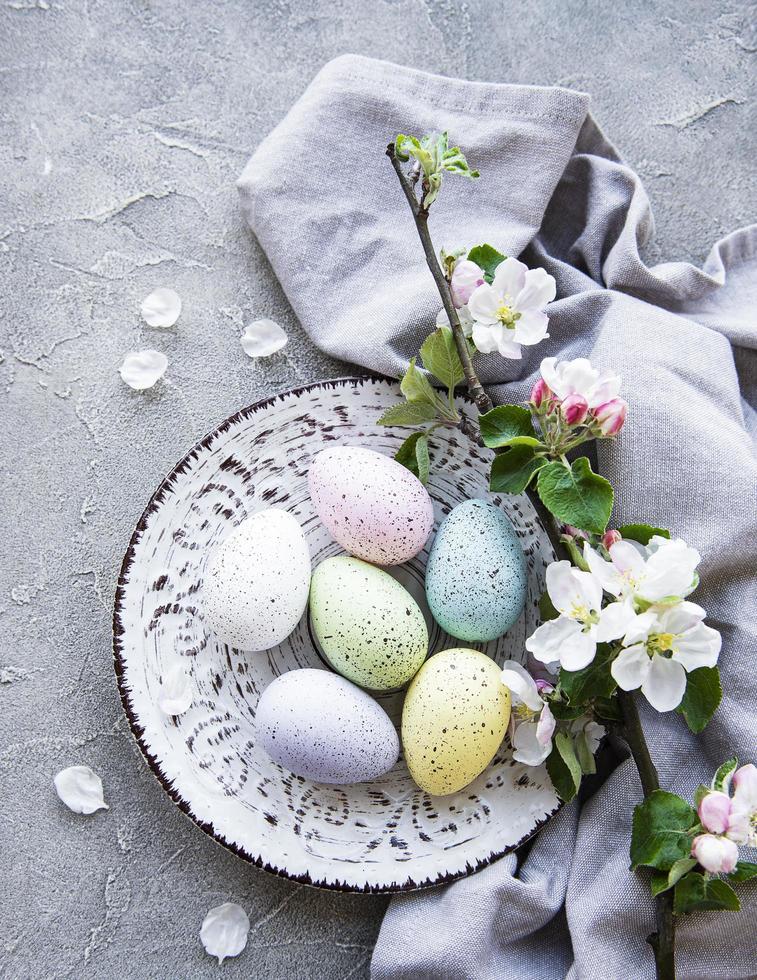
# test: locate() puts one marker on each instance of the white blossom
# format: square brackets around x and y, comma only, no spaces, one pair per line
[532,722]
[578,377]
[511,311]
[571,639]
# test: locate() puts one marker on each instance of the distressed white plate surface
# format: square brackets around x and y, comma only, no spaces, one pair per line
[387,835]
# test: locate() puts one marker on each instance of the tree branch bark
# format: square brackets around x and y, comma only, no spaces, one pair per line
[663,940]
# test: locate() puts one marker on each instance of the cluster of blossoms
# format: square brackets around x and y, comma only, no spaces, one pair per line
[574,393]
[532,724]
[507,313]
[659,634]
[728,821]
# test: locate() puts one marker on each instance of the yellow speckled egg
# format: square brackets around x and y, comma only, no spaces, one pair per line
[455,716]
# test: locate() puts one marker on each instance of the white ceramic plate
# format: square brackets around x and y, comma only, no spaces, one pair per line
[382,836]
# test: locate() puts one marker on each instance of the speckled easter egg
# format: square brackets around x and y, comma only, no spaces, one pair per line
[375,508]
[256,587]
[453,721]
[320,726]
[369,628]
[476,574]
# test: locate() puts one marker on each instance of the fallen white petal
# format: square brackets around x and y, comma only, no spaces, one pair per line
[224,931]
[142,368]
[175,694]
[80,789]
[161,308]
[263,338]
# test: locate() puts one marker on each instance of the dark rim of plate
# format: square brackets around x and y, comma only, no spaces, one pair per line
[137,730]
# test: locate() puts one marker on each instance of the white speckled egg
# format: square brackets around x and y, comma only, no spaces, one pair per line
[454,718]
[256,587]
[369,628]
[320,726]
[476,574]
[375,508]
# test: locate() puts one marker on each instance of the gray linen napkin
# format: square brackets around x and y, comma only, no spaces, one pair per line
[324,204]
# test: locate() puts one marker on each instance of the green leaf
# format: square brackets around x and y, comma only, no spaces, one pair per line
[661,881]
[724,773]
[408,413]
[454,161]
[701,698]
[514,469]
[416,387]
[694,892]
[547,610]
[576,495]
[743,872]
[642,533]
[564,711]
[608,709]
[439,356]
[594,681]
[504,423]
[584,754]
[660,831]
[658,882]
[700,794]
[564,768]
[487,258]
[413,455]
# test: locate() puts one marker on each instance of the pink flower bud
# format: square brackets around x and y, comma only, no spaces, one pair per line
[544,687]
[609,538]
[540,392]
[611,416]
[574,532]
[466,278]
[718,855]
[714,811]
[574,408]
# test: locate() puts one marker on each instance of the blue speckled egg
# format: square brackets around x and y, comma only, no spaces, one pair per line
[320,726]
[476,573]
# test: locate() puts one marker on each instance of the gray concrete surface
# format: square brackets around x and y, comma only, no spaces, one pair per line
[123,126]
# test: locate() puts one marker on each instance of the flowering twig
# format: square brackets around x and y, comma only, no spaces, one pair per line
[615,615]
[420,214]
[663,940]
[476,390]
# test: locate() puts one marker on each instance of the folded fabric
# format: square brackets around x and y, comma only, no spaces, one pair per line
[324,203]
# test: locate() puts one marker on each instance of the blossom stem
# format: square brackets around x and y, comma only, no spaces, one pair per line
[420,213]
[663,940]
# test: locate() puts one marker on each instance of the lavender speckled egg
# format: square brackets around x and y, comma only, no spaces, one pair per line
[369,627]
[454,718]
[256,587]
[476,575]
[320,726]
[375,508]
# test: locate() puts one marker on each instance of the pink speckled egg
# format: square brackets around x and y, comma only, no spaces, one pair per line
[375,508]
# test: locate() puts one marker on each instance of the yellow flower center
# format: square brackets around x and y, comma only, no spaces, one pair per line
[660,642]
[583,614]
[507,316]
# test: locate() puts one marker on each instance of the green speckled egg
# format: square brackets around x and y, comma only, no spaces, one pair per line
[476,573]
[455,716]
[370,629]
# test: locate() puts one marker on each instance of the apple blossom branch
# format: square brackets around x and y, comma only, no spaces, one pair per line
[646,635]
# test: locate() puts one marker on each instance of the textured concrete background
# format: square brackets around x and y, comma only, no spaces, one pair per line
[123,127]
